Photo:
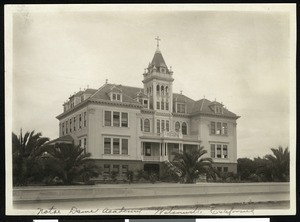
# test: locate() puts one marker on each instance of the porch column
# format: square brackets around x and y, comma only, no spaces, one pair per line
[181,147]
[166,149]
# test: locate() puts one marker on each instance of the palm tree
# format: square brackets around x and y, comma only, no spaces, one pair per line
[70,163]
[279,163]
[27,151]
[190,165]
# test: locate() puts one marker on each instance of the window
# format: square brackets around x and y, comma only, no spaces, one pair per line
[218,132]
[157,89]
[212,127]
[84,143]
[116,146]
[79,121]
[162,90]
[167,105]
[74,123]
[116,169]
[147,125]
[125,146]
[219,169]
[225,169]
[167,126]
[180,108]
[141,124]
[158,126]
[167,90]
[157,105]
[107,117]
[225,151]
[162,125]
[63,128]
[116,97]
[145,103]
[124,119]
[212,150]
[162,105]
[106,169]
[225,129]
[107,146]
[124,169]
[177,126]
[184,128]
[70,125]
[219,151]
[66,127]
[84,119]
[116,119]
[80,144]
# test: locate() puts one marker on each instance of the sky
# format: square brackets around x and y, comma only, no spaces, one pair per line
[237,57]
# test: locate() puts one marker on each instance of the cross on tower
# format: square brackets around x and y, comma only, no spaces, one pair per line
[157,39]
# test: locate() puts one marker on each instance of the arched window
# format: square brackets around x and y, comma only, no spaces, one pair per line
[177,126]
[162,90]
[157,89]
[184,128]
[167,90]
[147,125]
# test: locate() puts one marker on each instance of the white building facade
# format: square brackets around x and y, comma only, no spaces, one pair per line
[130,128]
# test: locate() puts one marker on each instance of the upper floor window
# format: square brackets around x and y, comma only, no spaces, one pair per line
[116,96]
[218,109]
[219,151]
[218,128]
[177,126]
[167,126]
[124,119]
[84,119]
[157,105]
[157,89]
[124,146]
[162,105]
[167,105]
[180,108]
[113,118]
[158,126]
[145,102]
[74,123]
[142,123]
[184,128]
[70,125]
[162,125]
[147,125]
[79,121]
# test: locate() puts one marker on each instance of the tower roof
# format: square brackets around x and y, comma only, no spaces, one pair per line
[158,60]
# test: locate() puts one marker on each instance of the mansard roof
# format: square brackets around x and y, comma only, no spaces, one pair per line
[129,95]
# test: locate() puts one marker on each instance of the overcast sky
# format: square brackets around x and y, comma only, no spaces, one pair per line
[240,58]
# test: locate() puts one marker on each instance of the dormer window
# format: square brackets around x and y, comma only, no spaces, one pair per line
[116,97]
[218,109]
[180,108]
[145,102]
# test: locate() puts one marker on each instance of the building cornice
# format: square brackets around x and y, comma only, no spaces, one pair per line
[72,110]
[116,103]
[213,115]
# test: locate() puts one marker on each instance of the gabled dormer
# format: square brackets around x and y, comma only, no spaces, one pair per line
[115,94]
[216,107]
[143,99]
[180,105]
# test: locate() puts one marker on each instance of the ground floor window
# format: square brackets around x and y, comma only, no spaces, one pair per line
[124,169]
[106,170]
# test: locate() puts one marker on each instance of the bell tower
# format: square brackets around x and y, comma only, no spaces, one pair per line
[158,79]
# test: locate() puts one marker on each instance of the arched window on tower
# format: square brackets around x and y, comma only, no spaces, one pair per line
[162,90]
[177,126]
[167,90]
[184,128]
[157,89]
[147,125]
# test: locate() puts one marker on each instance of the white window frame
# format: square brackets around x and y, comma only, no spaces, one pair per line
[116,95]
[111,145]
[222,149]
[112,118]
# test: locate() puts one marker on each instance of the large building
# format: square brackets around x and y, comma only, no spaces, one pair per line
[130,128]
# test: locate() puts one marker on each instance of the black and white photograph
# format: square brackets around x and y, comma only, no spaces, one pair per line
[158,110]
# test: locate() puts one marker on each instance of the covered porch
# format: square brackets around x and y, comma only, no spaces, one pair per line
[162,150]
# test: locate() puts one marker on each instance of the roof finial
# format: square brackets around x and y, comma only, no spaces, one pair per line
[157,39]
[87,86]
[106,80]
[181,92]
